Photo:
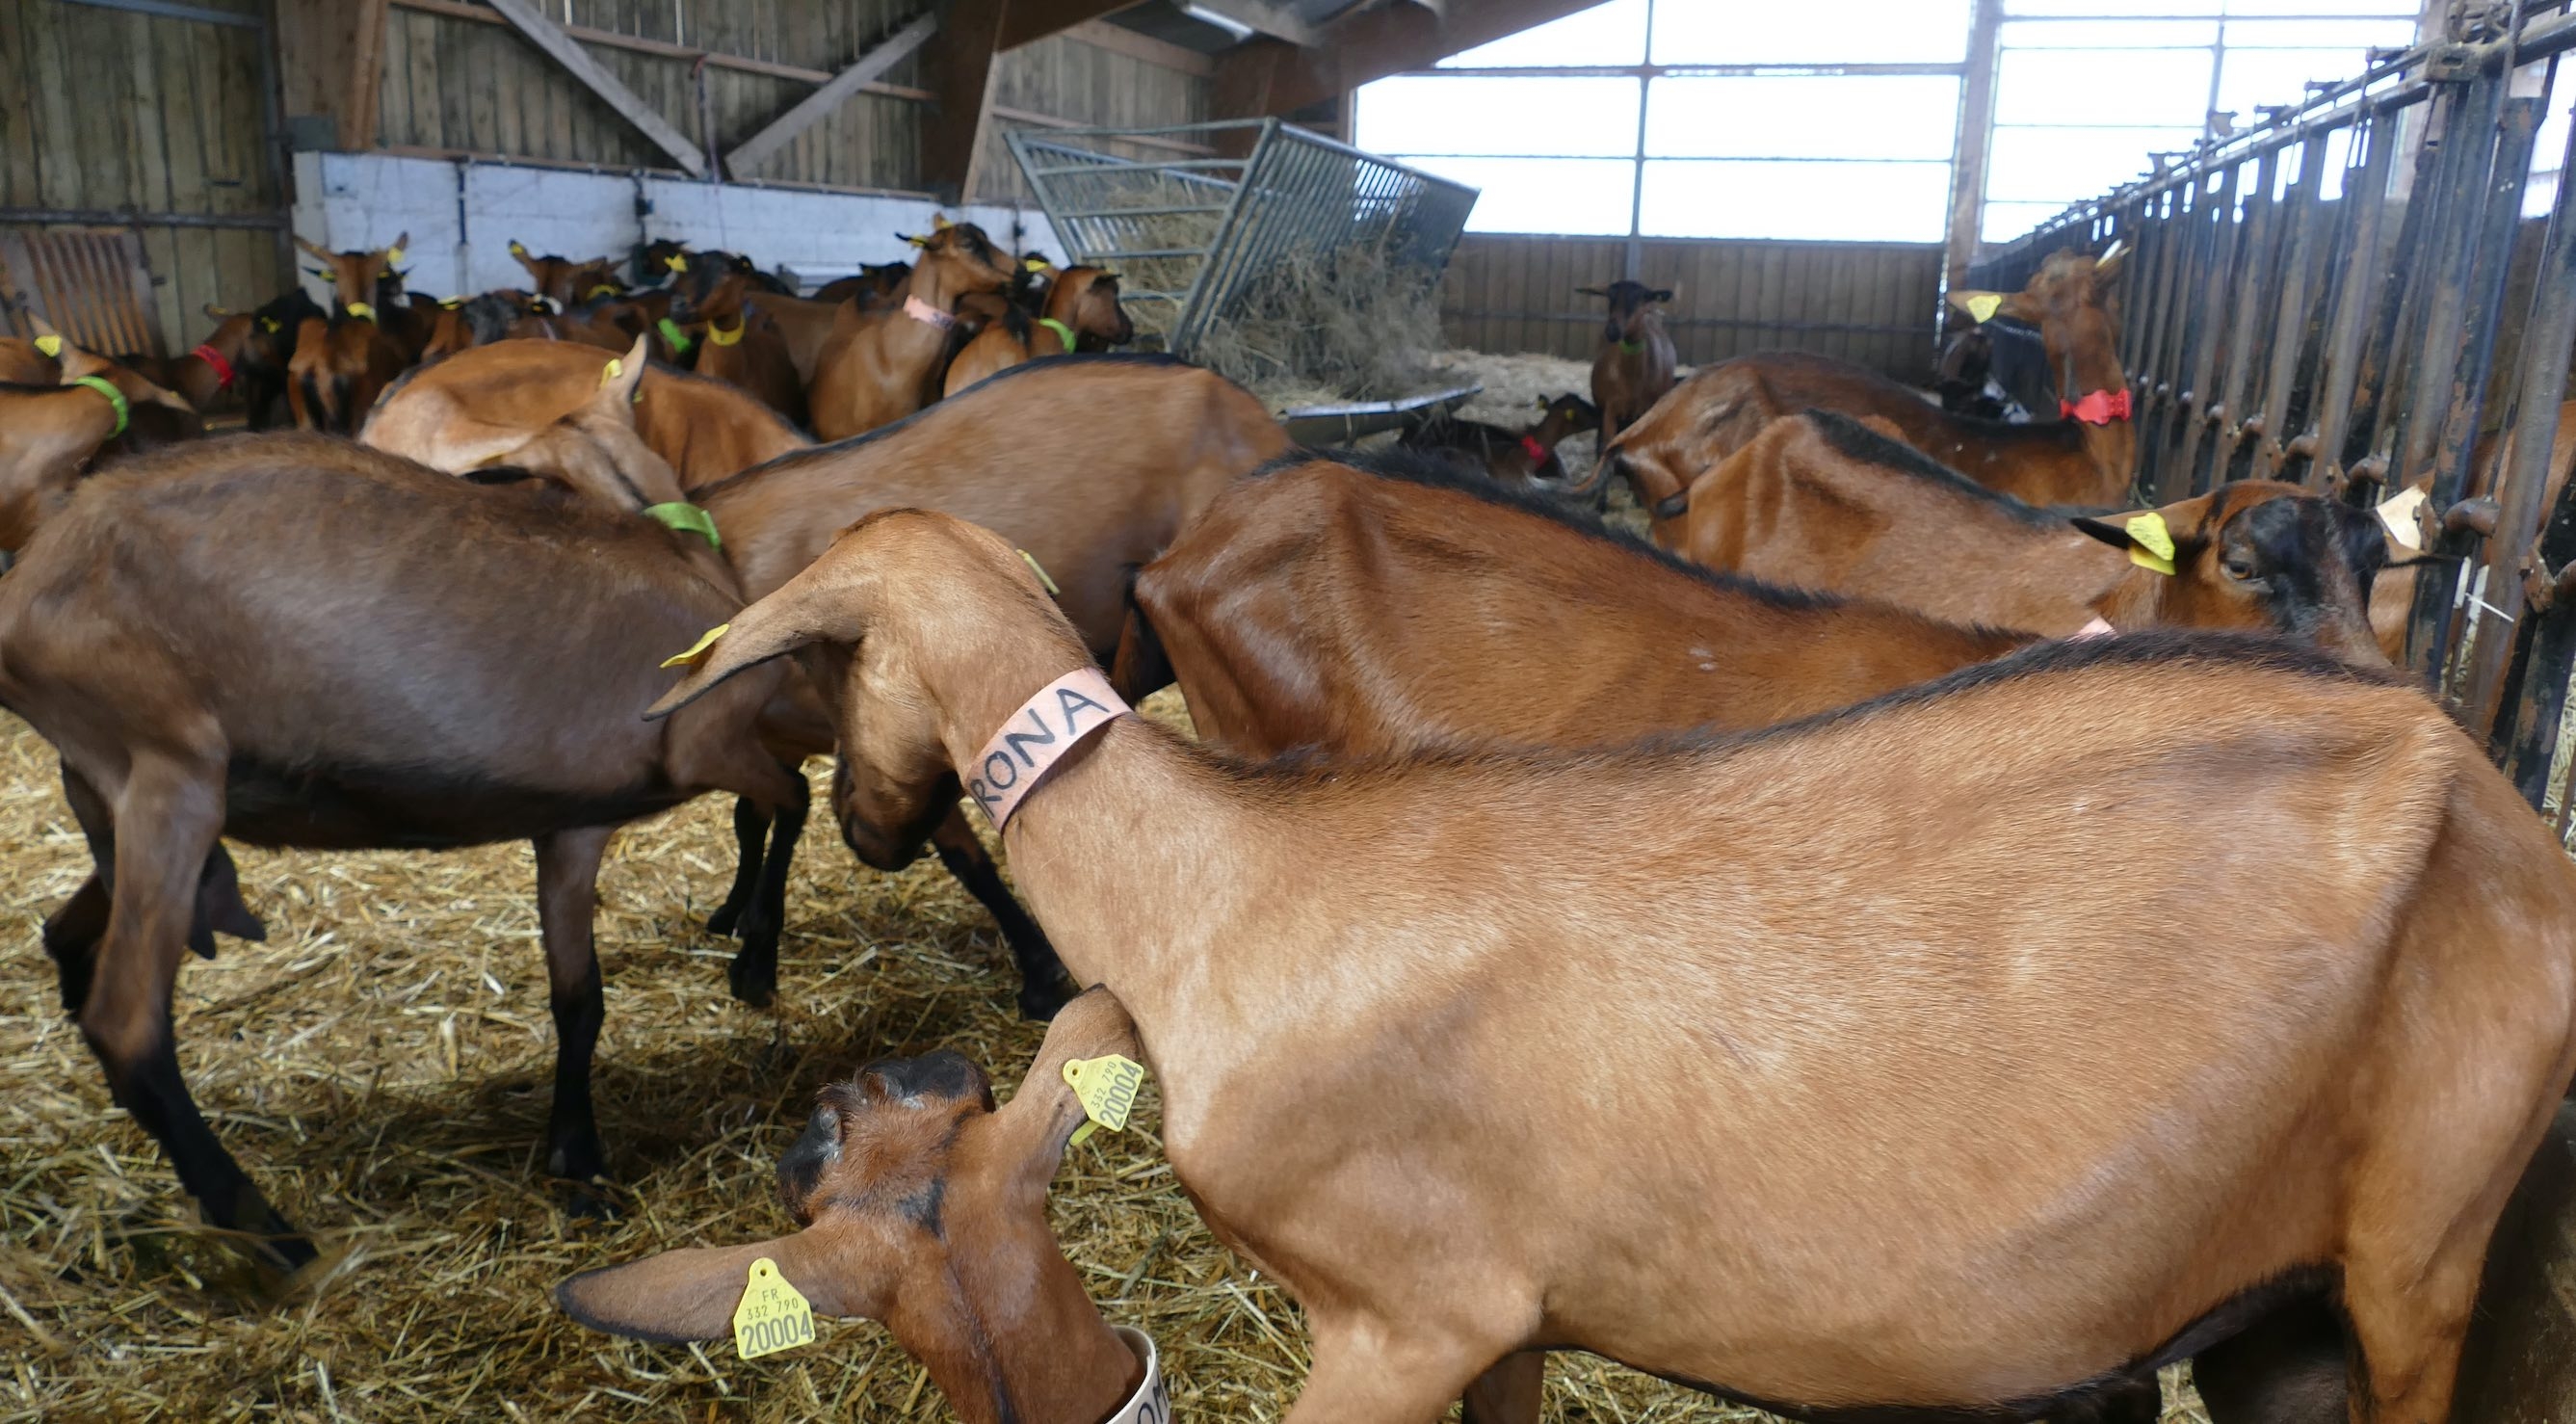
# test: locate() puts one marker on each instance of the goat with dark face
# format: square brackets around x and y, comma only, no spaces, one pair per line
[919,1204]
[1510,457]
[1634,366]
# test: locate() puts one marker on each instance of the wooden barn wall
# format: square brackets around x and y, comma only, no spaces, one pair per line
[1870,303]
[457,82]
[111,112]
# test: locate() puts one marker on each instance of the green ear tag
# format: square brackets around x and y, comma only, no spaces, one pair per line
[773,1316]
[688,518]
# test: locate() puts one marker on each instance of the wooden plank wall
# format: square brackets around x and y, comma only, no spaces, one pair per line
[112,111]
[1870,303]
[459,85]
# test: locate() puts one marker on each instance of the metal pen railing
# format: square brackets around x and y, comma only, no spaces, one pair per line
[2349,294]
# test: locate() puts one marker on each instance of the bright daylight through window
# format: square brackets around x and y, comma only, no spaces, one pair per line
[1750,119]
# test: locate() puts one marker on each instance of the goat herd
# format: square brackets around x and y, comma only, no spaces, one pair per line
[1897,947]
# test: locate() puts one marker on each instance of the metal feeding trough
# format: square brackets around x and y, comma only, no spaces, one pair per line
[1190,230]
[1350,421]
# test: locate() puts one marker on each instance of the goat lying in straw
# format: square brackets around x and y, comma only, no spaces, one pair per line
[920,1205]
[1832,1065]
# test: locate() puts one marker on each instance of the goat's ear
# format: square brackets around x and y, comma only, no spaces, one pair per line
[1663,294]
[2106,268]
[818,605]
[1044,1114]
[1591,291]
[621,382]
[314,248]
[2170,534]
[690,1294]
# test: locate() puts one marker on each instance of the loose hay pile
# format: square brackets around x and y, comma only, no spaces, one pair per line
[381,1067]
[1317,327]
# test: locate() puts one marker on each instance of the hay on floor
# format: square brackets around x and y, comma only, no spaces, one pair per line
[381,1066]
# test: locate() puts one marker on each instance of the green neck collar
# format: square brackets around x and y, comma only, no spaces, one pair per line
[1062,332]
[671,332]
[1632,347]
[688,518]
[114,396]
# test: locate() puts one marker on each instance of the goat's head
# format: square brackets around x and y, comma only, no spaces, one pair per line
[959,258]
[920,1205]
[1630,304]
[564,280]
[1572,413]
[594,449]
[2069,300]
[79,364]
[2262,556]
[360,279]
[1086,299]
[862,629]
[664,260]
[719,299]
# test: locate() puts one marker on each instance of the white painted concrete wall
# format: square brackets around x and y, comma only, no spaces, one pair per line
[463,216]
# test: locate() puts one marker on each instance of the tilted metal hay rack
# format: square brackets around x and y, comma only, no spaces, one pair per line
[1189,235]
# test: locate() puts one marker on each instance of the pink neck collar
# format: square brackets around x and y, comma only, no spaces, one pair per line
[925,313]
[1057,718]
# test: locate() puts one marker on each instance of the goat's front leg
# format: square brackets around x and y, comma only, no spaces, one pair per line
[1044,985]
[567,897]
[1366,1374]
[1508,1393]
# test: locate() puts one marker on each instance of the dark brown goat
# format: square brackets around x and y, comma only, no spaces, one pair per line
[977,1290]
[2087,458]
[338,722]
[1507,456]
[565,281]
[1633,367]
[1822,501]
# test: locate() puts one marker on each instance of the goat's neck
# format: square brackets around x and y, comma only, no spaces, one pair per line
[2095,364]
[2132,597]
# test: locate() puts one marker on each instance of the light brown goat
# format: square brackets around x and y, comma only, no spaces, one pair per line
[1822,501]
[1925,962]
[973,1284]
[2086,458]
[1081,314]
[877,370]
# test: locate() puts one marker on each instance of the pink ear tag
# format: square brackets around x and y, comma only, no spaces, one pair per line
[1033,739]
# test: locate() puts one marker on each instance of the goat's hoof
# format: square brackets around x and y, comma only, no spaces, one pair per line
[727,916]
[754,981]
[1040,1002]
[589,1202]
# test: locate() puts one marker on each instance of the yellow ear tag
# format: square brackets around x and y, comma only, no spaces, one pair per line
[773,1315]
[697,648]
[50,344]
[1106,1088]
[393,254]
[1040,571]
[676,262]
[2151,545]
[516,250]
[615,368]
[269,323]
[1982,306]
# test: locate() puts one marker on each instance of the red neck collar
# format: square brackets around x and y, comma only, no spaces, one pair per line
[223,368]
[2097,407]
[1538,452]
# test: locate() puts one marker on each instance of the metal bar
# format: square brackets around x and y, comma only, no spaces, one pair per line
[1594,319]
[2362,276]
[2177,475]
[2257,249]
[1188,163]
[1687,71]
[112,217]
[168,10]
[1688,158]
[2547,338]
[1078,213]
[2289,329]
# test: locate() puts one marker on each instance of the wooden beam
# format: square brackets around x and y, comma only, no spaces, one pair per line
[1269,76]
[330,58]
[546,35]
[1264,18]
[1118,39]
[961,86]
[1027,21]
[814,107]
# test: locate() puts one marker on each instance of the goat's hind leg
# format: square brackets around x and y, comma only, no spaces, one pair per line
[168,818]
[753,974]
[1375,1376]
[567,899]
[750,839]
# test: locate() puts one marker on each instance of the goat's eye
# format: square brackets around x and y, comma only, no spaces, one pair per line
[2242,570]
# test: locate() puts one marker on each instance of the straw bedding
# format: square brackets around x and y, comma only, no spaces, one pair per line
[381,1066]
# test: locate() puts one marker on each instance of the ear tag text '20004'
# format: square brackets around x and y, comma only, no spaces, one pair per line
[1106,1087]
[773,1315]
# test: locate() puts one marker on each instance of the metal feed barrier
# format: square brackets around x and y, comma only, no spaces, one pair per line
[2348,295]
[1190,236]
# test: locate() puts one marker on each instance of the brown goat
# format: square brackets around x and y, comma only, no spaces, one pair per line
[325,729]
[871,286]
[880,369]
[1362,608]
[976,1288]
[564,281]
[2086,458]
[341,364]
[23,363]
[1822,501]
[740,343]
[47,433]
[479,405]
[1633,366]
[1506,456]
[1081,314]
[1807,974]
